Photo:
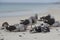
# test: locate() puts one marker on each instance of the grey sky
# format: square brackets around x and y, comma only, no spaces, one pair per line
[40,1]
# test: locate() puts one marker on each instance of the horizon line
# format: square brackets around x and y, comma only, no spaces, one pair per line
[29,2]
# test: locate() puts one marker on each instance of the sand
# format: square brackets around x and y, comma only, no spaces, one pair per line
[54,34]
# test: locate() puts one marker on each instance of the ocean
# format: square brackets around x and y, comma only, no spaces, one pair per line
[19,9]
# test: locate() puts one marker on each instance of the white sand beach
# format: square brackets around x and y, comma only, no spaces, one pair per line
[54,34]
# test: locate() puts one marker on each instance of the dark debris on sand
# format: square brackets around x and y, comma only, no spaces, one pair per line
[20,35]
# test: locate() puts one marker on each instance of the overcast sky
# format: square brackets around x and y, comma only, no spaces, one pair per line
[40,1]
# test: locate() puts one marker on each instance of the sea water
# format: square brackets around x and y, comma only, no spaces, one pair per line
[18,9]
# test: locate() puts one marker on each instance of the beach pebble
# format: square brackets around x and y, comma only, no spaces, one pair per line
[20,35]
